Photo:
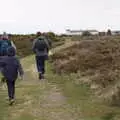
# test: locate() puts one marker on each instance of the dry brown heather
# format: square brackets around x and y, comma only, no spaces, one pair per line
[99,59]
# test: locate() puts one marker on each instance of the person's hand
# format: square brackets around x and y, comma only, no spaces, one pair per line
[50,53]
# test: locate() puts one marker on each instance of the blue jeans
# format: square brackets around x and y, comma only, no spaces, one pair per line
[40,62]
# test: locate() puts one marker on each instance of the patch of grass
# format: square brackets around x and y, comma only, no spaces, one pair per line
[82,99]
[28,61]
[3,103]
[79,96]
[3,106]
[108,116]
[25,116]
[29,98]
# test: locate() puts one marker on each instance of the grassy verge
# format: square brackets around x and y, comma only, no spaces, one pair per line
[82,99]
[31,96]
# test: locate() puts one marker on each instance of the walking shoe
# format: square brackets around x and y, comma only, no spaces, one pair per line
[41,76]
[11,101]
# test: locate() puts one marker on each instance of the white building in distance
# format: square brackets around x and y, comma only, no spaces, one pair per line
[80,32]
[116,32]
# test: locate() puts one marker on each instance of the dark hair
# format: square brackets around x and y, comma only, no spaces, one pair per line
[11,51]
[38,33]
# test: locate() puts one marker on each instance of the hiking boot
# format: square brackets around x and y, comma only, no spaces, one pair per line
[11,101]
[41,76]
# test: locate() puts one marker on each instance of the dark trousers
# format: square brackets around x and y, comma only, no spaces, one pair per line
[40,62]
[11,89]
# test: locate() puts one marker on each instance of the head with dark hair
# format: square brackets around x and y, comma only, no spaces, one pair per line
[38,33]
[11,51]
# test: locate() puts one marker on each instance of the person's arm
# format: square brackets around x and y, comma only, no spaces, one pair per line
[13,45]
[50,43]
[33,46]
[20,69]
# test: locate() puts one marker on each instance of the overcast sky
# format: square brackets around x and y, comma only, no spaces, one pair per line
[29,16]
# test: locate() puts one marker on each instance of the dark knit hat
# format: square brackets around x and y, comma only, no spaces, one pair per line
[11,51]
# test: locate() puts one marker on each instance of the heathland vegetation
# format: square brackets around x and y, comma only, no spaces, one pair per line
[82,80]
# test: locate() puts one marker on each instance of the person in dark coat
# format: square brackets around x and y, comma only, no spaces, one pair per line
[41,46]
[11,67]
[5,43]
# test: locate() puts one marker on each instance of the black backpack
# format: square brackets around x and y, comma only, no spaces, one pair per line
[40,44]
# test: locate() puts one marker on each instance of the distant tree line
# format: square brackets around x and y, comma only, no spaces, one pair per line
[24,42]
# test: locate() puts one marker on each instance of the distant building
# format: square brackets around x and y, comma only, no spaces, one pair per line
[117,32]
[74,32]
[102,33]
[93,32]
[80,32]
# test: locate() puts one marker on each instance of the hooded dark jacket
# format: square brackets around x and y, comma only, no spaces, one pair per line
[11,65]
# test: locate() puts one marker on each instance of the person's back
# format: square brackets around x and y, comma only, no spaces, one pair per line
[11,70]
[40,44]
[10,65]
[40,47]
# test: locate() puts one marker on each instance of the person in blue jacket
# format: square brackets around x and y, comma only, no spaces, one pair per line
[5,42]
[11,67]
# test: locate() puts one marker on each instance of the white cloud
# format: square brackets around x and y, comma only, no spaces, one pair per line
[56,15]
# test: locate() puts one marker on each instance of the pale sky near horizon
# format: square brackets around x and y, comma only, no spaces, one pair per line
[30,16]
